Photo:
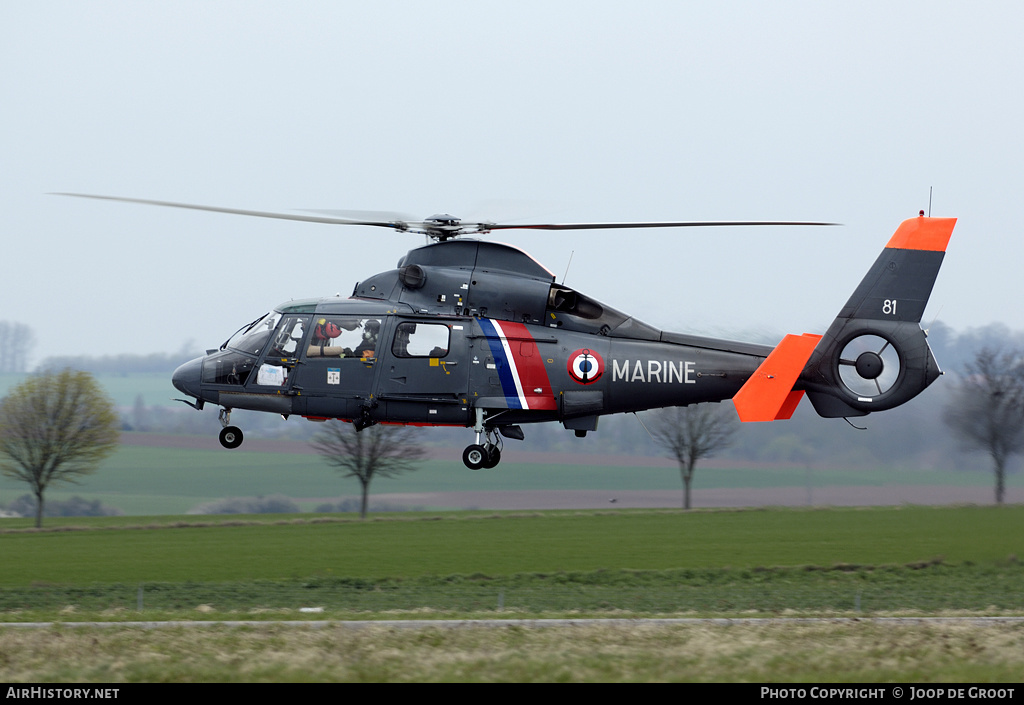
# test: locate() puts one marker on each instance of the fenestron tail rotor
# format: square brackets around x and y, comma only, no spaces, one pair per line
[869,365]
[439,227]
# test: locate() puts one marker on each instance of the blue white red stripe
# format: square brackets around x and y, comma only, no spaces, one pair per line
[524,380]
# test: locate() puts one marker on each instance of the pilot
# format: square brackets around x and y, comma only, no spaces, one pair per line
[367,348]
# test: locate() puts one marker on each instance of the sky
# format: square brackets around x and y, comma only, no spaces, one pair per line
[548,111]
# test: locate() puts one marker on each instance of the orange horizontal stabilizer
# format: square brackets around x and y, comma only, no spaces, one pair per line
[769,394]
[789,406]
[923,234]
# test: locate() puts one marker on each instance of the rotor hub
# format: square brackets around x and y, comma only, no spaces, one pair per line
[869,365]
[444,220]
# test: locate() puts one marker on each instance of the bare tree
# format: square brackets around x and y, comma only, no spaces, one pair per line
[690,433]
[376,451]
[986,411]
[55,427]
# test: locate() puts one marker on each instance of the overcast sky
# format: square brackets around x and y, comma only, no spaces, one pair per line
[538,111]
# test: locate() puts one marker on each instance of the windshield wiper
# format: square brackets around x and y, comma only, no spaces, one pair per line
[244,329]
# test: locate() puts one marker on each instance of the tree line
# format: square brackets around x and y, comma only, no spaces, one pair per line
[126,363]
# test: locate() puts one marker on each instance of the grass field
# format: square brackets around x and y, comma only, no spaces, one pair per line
[857,562]
[411,545]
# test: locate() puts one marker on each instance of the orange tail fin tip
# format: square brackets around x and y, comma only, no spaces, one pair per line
[923,234]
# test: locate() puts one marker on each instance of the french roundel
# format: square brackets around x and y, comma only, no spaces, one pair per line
[585,366]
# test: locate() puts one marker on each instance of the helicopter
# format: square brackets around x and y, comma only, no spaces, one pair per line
[472,333]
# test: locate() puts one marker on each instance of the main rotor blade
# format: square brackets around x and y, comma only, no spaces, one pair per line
[610,226]
[397,221]
[361,215]
[396,225]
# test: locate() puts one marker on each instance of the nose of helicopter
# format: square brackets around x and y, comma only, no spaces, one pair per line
[187,377]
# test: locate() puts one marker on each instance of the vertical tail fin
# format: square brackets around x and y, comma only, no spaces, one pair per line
[874,356]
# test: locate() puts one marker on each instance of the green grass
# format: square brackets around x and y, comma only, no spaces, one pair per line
[919,588]
[419,545]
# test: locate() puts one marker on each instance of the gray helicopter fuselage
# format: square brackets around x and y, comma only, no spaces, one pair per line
[457,327]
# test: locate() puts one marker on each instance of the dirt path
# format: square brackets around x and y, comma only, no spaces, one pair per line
[716,497]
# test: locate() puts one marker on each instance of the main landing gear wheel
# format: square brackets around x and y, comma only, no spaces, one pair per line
[474,456]
[493,457]
[231,436]
[479,456]
[486,452]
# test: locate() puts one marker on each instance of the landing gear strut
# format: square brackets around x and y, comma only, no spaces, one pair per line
[486,454]
[230,436]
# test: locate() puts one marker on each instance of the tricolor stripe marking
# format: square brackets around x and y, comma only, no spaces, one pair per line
[521,375]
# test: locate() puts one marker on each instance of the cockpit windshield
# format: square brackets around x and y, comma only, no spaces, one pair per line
[253,338]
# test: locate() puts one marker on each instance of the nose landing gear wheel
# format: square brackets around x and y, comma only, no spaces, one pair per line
[231,436]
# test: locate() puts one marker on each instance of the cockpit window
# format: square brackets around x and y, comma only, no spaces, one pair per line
[253,338]
[227,367]
[288,338]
